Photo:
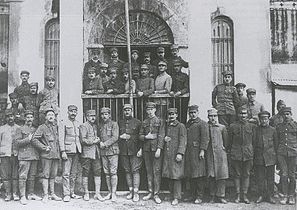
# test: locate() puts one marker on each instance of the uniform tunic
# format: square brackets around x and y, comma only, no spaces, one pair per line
[49,98]
[32,102]
[90,64]
[171,62]
[22,90]
[95,85]
[180,82]
[254,108]
[275,120]
[88,135]
[145,85]
[287,136]
[69,137]
[116,85]
[109,135]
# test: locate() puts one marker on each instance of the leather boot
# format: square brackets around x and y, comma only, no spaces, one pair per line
[114,185]
[22,187]
[85,183]
[52,191]
[97,195]
[31,195]
[108,183]
[7,186]
[45,190]
[15,189]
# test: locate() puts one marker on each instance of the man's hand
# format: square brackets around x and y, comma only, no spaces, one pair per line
[139,93]
[88,92]
[201,154]
[47,149]
[139,153]
[178,93]
[171,93]
[64,155]
[96,140]
[158,153]
[102,145]
[179,157]
[109,91]
[167,139]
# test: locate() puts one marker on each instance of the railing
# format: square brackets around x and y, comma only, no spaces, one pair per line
[116,102]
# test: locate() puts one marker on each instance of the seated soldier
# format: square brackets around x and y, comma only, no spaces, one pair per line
[145,84]
[93,85]
[114,85]
[126,81]
[180,80]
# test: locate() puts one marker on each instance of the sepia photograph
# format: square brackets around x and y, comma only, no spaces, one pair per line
[148,104]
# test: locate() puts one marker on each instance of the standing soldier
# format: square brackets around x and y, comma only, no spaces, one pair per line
[175,58]
[109,149]
[23,89]
[278,118]
[18,111]
[103,72]
[153,71]
[115,84]
[134,64]
[224,99]
[114,61]
[217,163]
[70,148]
[8,157]
[242,134]
[195,164]
[240,90]
[90,156]
[28,158]
[129,146]
[93,84]
[94,51]
[253,107]
[265,145]
[287,154]
[145,84]
[46,140]
[180,80]
[152,134]
[174,150]
[160,56]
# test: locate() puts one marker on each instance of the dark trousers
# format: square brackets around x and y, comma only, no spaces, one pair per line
[9,168]
[242,171]
[265,175]
[88,164]
[197,186]
[175,187]
[227,119]
[153,169]
[217,187]
[131,165]
[287,167]
[49,168]
[69,172]
[27,169]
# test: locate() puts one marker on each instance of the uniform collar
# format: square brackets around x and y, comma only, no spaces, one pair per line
[197,120]
[213,125]
[174,123]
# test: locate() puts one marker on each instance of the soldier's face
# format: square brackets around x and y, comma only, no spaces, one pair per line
[151,111]
[126,76]
[251,96]
[213,119]
[114,54]
[128,112]
[103,70]
[172,116]
[287,116]
[227,79]
[243,116]
[91,118]
[10,119]
[240,90]
[113,75]
[177,68]
[174,52]
[72,113]
[29,119]
[144,72]
[24,77]
[33,90]
[162,67]
[281,106]
[105,116]
[95,55]
[50,117]
[91,75]
[161,55]
[51,83]
[264,121]
[147,59]
[135,56]
[193,114]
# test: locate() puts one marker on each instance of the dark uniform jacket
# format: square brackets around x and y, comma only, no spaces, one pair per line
[145,85]
[88,133]
[225,99]
[180,82]
[241,135]
[171,62]
[130,126]
[109,134]
[116,85]
[32,102]
[155,126]
[265,145]
[177,133]
[26,151]
[275,120]
[153,70]
[47,135]
[198,139]
[95,85]
[90,64]
[22,90]
[287,137]
[118,63]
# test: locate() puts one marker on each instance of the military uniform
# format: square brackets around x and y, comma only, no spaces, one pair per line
[145,85]
[128,150]
[171,62]
[9,159]
[48,99]
[180,83]
[95,85]
[22,90]
[275,120]
[18,113]
[116,85]
[155,127]
[175,143]
[91,64]
[32,102]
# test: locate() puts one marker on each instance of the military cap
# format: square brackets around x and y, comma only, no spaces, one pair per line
[113,49]
[227,72]
[286,109]
[47,78]
[92,69]
[212,111]
[177,63]
[13,95]
[95,46]
[162,63]
[172,110]
[150,105]
[103,65]
[147,54]
[240,84]
[91,112]
[8,112]
[50,109]
[193,108]
[161,49]
[25,72]
[144,66]
[125,70]
[127,106]
[72,107]
[280,102]
[250,90]
[263,113]
[174,46]
[105,110]
[33,84]
[113,69]
[134,50]
[28,112]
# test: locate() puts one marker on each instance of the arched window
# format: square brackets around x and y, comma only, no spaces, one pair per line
[52,49]
[222,47]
